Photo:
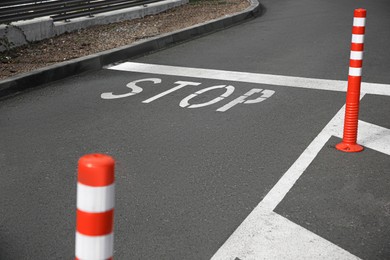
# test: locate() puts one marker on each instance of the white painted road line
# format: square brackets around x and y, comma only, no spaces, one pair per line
[266,235]
[283,186]
[286,81]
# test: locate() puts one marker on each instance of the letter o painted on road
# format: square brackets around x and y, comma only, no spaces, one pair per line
[228,92]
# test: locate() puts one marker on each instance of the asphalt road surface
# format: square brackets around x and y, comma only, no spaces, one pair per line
[224,145]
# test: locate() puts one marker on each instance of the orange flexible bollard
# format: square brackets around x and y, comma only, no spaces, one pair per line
[354,82]
[95,207]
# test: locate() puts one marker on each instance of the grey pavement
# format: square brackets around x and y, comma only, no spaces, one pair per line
[186,178]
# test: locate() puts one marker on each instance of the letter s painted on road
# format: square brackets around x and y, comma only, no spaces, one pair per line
[134,89]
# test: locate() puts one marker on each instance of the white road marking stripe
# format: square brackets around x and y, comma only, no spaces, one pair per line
[356,55]
[359,21]
[95,199]
[357,38]
[99,247]
[281,188]
[267,235]
[284,81]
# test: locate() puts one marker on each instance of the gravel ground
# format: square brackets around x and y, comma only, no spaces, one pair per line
[83,42]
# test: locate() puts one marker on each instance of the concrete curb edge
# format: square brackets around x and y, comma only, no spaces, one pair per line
[36,78]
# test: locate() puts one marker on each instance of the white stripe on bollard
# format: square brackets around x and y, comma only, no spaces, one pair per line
[357,38]
[95,199]
[356,55]
[355,72]
[99,247]
[359,21]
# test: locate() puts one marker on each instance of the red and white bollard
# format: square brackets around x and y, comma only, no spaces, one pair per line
[95,207]
[354,82]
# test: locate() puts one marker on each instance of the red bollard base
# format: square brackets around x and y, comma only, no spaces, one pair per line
[349,148]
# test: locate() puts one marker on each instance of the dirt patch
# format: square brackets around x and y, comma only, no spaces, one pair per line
[104,37]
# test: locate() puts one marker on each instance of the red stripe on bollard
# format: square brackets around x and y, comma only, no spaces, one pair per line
[354,82]
[357,46]
[95,207]
[95,224]
[355,63]
[358,30]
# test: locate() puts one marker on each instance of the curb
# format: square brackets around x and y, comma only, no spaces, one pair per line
[37,29]
[29,80]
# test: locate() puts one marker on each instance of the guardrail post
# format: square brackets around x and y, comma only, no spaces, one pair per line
[95,207]
[354,82]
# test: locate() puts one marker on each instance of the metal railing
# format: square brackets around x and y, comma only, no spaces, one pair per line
[17,10]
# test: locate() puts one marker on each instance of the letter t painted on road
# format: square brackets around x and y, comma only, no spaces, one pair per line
[182,84]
